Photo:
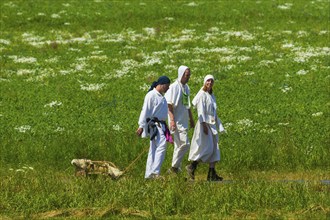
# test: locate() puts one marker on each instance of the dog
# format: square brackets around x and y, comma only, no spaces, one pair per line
[85,167]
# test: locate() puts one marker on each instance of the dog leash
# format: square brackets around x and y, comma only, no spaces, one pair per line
[136,159]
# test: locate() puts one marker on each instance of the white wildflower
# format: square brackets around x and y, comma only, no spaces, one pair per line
[74,49]
[80,67]
[286,6]
[149,61]
[20,170]
[288,45]
[170,67]
[267,130]
[25,60]
[245,122]
[116,127]
[243,58]
[323,32]
[150,31]
[214,29]
[228,124]
[92,87]
[21,72]
[59,129]
[286,89]
[103,57]
[302,72]
[144,87]
[283,124]
[248,73]
[97,52]
[317,114]
[53,103]
[3,41]
[55,16]
[302,34]
[266,63]
[52,60]
[169,18]
[192,4]
[244,35]
[23,128]
[10,4]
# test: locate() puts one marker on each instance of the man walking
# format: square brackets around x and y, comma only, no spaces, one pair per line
[152,123]
[178,101]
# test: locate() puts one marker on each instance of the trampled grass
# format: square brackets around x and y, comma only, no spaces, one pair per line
[72,81]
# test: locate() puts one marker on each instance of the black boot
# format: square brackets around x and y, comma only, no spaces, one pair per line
[191,169]
[212,175]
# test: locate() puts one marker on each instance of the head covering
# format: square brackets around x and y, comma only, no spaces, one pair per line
[207,77]
[161,80]
[181,71]
[201,91]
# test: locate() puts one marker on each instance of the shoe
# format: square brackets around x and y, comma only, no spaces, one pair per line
[213,176]
[191,172]
[173,170]
[156,177]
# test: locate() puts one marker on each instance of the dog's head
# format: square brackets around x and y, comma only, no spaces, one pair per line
[82,164]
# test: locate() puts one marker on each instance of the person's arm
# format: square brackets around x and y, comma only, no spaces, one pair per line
[171,116]
[143,115]
[192,122]
[201,108]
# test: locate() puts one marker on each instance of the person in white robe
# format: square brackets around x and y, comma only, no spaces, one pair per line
[179,113]
[204,144]
[155,109]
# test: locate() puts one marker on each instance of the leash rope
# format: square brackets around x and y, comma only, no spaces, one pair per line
[136,159]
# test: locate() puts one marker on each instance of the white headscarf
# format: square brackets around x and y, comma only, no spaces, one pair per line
[194,101]
[207,77]
[181,71]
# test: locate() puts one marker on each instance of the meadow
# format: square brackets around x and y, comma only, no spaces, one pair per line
[72,82]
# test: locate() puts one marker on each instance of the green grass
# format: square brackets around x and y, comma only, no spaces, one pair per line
[72,81]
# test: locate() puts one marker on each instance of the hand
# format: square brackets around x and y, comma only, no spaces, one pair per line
[205,128]
[172,126]
[139,131]
[192,123]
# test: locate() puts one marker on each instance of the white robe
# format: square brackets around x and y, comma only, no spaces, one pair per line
[174,96]
[154,105]
[204,147]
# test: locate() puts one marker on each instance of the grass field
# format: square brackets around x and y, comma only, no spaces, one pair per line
[72,81]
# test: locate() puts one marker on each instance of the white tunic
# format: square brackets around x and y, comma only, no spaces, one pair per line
[154,105]
[174,96]
[204,147]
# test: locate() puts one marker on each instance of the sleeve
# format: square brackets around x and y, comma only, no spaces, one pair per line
[201,108]
[146,108]
[169,95]
[220,125]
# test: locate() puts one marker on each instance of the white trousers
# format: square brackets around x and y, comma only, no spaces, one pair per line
[181,146]
[156,153]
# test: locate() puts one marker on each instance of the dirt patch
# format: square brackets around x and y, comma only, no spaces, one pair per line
[89,212]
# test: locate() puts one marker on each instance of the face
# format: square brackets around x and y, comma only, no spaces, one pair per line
[186,76]
[209,84]
[164,88]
